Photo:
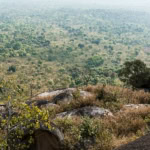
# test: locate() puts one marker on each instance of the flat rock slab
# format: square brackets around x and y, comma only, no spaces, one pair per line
[86,111]
[51,94]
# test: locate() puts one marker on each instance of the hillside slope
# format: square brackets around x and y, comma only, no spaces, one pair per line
[66,48]
[93,117]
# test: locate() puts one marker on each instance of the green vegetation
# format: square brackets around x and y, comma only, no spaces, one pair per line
[47,49]
[56,49]
[136,74]
[12,68]
[27,120]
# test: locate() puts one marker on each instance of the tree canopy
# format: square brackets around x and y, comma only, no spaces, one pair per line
[136,74]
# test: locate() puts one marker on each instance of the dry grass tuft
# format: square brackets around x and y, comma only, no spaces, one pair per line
[140,97]
[124,95]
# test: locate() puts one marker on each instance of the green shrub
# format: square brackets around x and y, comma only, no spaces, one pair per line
[17,46]
[95,131]
[12,68]
[95,61]
[85,133]
[88,129]
[76,94]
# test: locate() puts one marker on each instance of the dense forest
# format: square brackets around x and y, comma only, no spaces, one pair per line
[70,47]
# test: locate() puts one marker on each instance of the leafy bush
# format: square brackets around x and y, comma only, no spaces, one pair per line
[12,68]
[81,45]
[85,134]
[95,132]
[96,41]
[17,46]
[95,61]
[88,129]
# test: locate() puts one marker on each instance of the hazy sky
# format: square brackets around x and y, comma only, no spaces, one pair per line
[136,4]
[129,3]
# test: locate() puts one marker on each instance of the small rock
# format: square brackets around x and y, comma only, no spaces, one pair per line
[85,94]
[2,108]
[86,111]
[135,106]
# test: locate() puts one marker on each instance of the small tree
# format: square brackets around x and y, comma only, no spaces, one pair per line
[81,45]
[136,74]
[12,68]
[17,46]
[95,61]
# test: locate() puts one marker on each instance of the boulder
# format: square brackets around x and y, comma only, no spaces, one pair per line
[57,97]
[86,111]
[142,143]
[64,97]
[47,94]
[67,95]
[45,140]
[85,94]
[53,93]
